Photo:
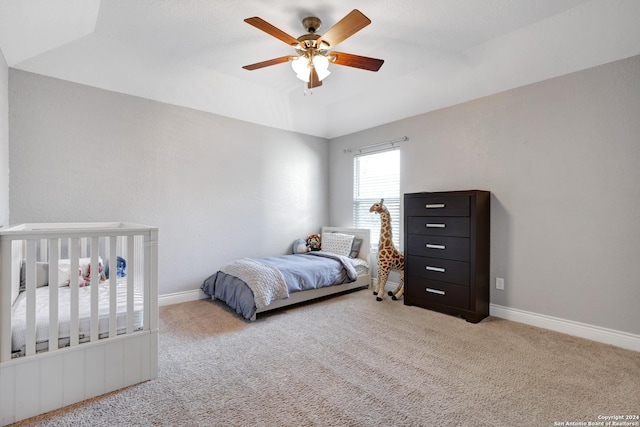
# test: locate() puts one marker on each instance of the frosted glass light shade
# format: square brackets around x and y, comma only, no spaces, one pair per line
[321,64]
[301,66]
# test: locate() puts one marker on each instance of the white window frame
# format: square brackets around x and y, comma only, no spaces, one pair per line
[369,187]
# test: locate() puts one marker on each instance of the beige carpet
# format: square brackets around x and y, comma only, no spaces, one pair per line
[352,361]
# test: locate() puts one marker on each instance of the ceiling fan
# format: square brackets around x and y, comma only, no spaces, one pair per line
[314,55]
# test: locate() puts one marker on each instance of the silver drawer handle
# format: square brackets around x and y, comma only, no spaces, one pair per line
[434,206]
[435,225]
[435,291]
[431,246]
[438,269]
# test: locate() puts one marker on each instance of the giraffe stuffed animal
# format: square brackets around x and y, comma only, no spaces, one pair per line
[389,258]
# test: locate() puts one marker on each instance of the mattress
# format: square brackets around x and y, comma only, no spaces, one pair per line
[18,315]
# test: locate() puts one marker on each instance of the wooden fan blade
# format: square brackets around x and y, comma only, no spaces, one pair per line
[346,27]
[356,61]
[268,63]
[314,81]
[263,25]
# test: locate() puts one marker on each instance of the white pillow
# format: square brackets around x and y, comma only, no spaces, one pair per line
[64,272]
[337,243]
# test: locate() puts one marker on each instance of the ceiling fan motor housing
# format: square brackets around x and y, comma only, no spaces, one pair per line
[309,41]
[311,24]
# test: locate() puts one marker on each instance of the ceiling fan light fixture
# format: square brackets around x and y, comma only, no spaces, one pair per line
[302,67]
[321,64]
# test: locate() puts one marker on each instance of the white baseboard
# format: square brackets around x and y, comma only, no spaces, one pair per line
[569,327]
[179,297]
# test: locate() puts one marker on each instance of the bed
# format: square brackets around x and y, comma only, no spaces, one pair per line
[254,286]
[78,313]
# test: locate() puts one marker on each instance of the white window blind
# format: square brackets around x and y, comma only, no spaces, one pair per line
[377,176]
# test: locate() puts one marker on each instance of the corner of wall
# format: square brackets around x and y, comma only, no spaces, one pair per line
[4,141]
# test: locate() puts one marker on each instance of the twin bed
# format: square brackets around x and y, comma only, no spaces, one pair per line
[253,286]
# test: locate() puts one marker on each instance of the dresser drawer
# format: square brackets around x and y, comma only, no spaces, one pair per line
[456,248]
[437,206]
[424,292]
[439,226]
[443,270]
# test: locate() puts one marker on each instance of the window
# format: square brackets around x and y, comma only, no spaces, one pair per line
[377,176]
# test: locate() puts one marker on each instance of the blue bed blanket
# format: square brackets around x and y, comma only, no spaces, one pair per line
[300,271]
[312,270]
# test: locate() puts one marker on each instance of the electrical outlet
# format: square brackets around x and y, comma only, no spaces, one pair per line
[500,283]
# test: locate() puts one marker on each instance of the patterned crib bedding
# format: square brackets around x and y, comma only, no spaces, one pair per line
[18,315]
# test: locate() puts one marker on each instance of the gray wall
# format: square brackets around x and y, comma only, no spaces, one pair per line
[4,142]
[562,159]
[217,188]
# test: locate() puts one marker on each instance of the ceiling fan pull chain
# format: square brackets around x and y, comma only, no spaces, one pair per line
[310,90]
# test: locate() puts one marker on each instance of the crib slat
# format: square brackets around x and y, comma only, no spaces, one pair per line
[95,288]
[113,276]
[131,274]
[74,325]
[30,289]
[6,299]
[151,297]
[146,295]
[53,294]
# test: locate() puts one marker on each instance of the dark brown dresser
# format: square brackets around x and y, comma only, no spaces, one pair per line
[446,236]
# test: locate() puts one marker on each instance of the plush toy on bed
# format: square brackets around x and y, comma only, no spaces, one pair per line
[121,267]
[300,246]
[313,242]
[86,279]
[82,281]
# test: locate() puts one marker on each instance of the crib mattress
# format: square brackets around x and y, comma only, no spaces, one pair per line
[18,315]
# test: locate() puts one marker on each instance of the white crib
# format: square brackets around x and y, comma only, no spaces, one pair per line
[111,326]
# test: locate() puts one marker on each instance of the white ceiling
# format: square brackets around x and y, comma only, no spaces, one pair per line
[437,52]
